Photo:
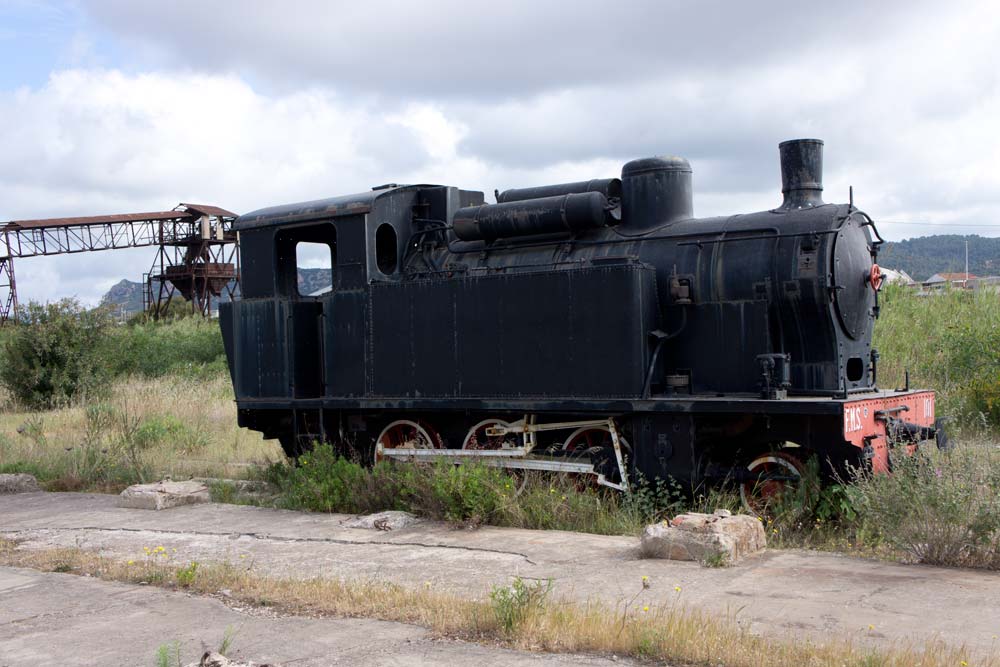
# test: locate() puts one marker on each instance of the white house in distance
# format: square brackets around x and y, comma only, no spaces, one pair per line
[896,277]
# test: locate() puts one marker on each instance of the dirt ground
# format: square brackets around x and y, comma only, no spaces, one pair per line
[789,594]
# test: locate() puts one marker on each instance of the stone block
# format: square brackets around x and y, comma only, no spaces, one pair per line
[718,538]
[18,483]
[163,495]
[213,659]
[383,521]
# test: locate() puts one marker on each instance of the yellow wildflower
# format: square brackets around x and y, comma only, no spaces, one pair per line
[645,609]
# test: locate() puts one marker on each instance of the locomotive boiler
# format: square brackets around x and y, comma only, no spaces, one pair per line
[595,327]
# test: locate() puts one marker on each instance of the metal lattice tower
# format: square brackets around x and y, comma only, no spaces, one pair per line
[200,265]
[8,290]
[197,257]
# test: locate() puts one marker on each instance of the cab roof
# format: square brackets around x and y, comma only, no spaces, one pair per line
[318,208]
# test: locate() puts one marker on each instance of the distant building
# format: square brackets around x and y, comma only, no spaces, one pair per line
[942,280]
[896,277]
[987,283]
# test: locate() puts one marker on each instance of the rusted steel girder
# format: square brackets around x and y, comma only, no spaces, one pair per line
[194,240]
[60,236]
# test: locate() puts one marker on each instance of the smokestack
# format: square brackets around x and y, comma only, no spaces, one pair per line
[801,173]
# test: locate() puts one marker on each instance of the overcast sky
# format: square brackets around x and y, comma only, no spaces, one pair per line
[114,106]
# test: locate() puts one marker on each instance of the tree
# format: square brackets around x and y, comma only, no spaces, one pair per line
[54,355]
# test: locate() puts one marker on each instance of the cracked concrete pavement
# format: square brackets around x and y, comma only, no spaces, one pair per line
[62,619]
[782,593]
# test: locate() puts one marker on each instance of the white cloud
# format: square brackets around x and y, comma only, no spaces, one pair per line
[99,141]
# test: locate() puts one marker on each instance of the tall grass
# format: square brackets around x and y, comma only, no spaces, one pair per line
[63,353]
[176,425]
[950,342]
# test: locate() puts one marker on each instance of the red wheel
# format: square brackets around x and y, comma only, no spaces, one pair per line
[757,494]
[406,434]
[596,443]
[587,437]
[477,438]
[875,277]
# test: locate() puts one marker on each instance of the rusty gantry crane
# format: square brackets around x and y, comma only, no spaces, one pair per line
[197,257]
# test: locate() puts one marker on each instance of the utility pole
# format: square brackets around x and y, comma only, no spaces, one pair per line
[966,263]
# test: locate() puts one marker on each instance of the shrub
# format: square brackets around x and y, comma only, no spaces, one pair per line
[459,493]
[54,357]
[190,346]
[324,481]
[941,509]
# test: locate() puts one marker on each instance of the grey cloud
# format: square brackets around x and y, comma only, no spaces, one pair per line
[456,49]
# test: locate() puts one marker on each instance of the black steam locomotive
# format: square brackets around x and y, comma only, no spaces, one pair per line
[595,327]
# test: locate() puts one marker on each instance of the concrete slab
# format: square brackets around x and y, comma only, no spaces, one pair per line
[784,593]
[18,483]
[163,495]
[62,619]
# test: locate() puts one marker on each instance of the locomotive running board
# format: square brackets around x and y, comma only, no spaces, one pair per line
[517,458]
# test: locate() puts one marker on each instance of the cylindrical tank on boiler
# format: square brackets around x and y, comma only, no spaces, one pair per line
[655,192]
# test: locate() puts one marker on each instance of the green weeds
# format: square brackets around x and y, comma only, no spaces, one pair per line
[168,655]
[186,575]
[469,494]
[514,604]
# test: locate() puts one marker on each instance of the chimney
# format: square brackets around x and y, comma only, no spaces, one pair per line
[801,173]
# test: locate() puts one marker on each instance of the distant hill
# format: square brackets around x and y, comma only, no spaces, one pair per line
[126,293]
[129,294]
[313,280]
[924,256]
